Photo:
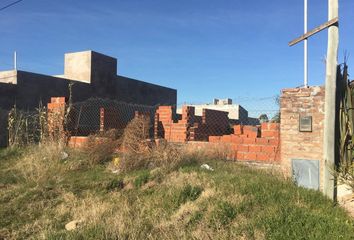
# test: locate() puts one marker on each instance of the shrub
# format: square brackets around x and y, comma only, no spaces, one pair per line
[100,147]
[135,145]
[136,134]
[168,156]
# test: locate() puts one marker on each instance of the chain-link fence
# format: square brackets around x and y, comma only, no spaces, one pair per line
[186,122]
[97,115]
[242,110]
[3,127]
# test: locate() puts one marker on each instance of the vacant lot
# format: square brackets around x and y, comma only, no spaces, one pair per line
[43,190]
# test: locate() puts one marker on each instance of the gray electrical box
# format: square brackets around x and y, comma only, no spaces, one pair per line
[305,124]
[306,173]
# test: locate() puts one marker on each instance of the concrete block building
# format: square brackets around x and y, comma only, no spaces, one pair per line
[236,113]
[93,75]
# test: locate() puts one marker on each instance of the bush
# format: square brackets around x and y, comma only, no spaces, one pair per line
[100,147]
[135,145]
[136,134]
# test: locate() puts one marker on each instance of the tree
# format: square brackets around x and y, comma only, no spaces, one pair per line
[263,118]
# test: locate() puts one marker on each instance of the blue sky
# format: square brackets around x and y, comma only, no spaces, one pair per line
[204,49]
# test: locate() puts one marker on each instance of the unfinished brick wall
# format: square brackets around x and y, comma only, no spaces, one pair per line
[294,103]
[169,127]
[187,126]
[56,114]
[253,143]
[212,123]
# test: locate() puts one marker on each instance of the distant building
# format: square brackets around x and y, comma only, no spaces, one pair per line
[237,114]
[94,75]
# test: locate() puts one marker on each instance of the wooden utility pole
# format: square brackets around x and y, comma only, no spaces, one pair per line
[330,101]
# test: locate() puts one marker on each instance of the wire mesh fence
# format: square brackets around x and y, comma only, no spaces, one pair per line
[187,122]
[242,110]
[95,115]
[184,122]
[3,127]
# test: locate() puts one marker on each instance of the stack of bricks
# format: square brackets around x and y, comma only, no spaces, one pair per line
[56,115]
[167,127]
[253,143]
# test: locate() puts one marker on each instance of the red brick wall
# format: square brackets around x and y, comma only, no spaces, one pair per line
[189,127]
[253,143]
[296,102]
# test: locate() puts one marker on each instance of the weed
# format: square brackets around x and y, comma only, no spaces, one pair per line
[223,214]
[141,179]
[188,193]
[115,184]
[233,202]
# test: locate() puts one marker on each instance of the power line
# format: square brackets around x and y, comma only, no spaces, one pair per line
[10,4]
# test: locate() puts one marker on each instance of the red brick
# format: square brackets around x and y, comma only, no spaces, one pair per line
[251,131]
[268,149]
[270,133]
[57,99]
[238,129]
[236,139]
[255,148]
[264,126]
[52,106]
[262,140]
[214,138]
[274,142]
[249,140]
[273,126]
[263,157]
[243,148]
[240,156]
[226,138]
[250,156]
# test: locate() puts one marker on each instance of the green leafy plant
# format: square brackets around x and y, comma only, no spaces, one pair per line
[345,92]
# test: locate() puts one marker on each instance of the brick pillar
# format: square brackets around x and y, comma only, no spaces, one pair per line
[156,126]
[296,103]
[56,115]
[102,126]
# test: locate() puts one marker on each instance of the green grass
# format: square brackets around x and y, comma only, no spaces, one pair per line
[232,202]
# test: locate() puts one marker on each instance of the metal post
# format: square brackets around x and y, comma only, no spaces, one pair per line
[330,102]
[15,60]
[305,47]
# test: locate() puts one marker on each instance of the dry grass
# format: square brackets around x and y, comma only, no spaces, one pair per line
[209,151]
[170,198]
[41,163]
